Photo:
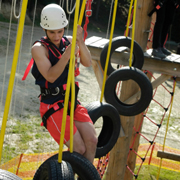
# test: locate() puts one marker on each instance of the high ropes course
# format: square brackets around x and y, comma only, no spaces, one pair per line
[134,116]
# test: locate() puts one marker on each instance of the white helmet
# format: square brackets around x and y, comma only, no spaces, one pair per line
[53,17]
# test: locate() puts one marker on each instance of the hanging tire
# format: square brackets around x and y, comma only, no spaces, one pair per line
[124,74]
[80,165]
[110,127]
[6,175]
[138,59]
[56,171]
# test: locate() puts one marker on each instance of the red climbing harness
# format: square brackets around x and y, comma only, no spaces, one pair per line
[52,48]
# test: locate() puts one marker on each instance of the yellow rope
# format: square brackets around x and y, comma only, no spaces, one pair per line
[129,16]
[82,12]
[110,40]
[13,71]
[166,129]
[109,49]
[133,28]
[133,32]
[70,81]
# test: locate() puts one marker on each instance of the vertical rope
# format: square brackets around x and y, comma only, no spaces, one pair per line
[17,16]
[30,44]
[72,10]
[109,49]
[167,125]
[69,20]
[129,17]
[12,76]
[7,51]
[61,3]
[133,32]
[0,4]
[70,74]
[110,13]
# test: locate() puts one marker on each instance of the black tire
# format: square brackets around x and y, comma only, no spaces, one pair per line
[124,74]
[80,165]
[110,128]
[52,170]
[138,59]
[6,175]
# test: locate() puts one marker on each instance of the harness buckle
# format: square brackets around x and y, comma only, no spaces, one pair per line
[57,91]
[88,13]
[42,94]
[88,8]
[46,91]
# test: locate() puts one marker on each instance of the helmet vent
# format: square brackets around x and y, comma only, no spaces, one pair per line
[64,22]
[45,18]
[46,25]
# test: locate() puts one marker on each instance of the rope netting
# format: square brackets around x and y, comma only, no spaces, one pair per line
[153,124]
[161,108]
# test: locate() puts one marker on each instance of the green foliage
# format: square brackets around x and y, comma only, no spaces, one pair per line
[151,172]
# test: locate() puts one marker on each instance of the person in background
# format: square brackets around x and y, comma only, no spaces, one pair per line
[51,56]
[165,10]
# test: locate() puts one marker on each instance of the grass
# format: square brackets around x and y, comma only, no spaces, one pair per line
[151,172]
[23,135]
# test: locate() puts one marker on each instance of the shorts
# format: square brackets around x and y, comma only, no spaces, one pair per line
[54,122]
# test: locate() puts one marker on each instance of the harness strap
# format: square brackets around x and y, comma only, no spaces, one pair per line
[28,69]
[49,112]
[49,92]
[51,48]
[59,106]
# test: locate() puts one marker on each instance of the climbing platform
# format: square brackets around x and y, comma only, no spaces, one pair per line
[169,65]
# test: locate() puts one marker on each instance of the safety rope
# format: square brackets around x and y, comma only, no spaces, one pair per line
[0,4]
[158,125]
[61,3]
[7,51]
[88,13]
[19,62]
[133,9]
[129,18]
[17,16]
[109,49]
[126,32]
[12,76]
[133,33]
[167,125]
[70,82]
[30,44]
[110,14]
[67,7]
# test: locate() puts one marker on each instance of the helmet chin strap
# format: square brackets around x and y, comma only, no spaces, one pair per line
[46,34]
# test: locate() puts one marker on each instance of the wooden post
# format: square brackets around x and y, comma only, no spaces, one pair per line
[143,23]
[118,156]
